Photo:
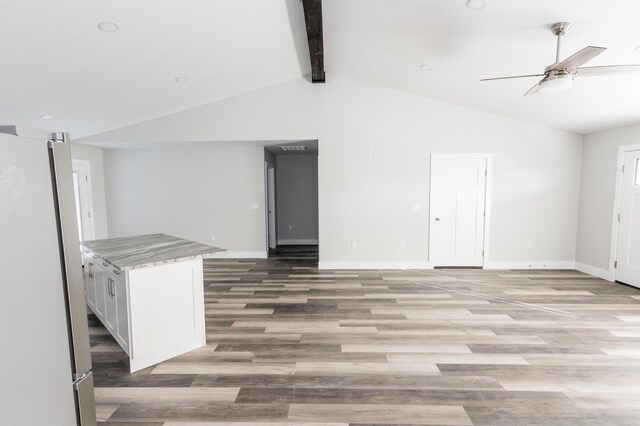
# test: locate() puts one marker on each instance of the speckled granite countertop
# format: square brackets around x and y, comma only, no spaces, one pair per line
[142,251]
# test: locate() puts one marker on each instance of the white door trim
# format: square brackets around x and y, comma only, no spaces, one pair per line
[86,166]
[268,165]
[617,201]
[487,197]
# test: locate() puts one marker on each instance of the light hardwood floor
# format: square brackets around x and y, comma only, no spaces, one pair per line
[289,344]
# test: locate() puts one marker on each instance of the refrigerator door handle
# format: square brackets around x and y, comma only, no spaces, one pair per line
[62,180]
[78,329]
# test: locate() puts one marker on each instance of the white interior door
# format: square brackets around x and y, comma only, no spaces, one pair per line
[84,202]
[457,210]
[628,270]
[271,205]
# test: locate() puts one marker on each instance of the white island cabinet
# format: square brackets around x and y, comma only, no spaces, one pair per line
[148,292]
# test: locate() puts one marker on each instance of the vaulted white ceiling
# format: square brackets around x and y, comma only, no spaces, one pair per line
[56,61]
[385,42]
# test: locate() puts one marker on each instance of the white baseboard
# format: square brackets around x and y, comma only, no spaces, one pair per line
[426,265]
[596,272]
[240,255]
[534,264]
[302,242]
[374,265]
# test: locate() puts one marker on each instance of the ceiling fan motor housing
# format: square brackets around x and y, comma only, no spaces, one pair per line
[560,28]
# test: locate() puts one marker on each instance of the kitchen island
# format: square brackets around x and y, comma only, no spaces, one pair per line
[148,292]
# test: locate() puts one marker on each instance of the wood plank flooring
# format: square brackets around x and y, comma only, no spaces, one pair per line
[291,345]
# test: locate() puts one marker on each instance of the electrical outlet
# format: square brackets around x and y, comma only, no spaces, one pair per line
[529,245]
[416,207]
[402,244]
[290,227]
[213,237]
[255,206]
[354,245]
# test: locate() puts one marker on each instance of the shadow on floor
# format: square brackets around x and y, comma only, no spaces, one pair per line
[294,252]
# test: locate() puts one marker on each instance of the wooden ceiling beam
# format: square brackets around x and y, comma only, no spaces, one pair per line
[313,21]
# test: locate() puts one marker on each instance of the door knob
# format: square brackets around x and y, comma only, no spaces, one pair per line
[437,219]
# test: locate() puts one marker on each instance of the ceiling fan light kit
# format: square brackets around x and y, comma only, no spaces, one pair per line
[560,74]
[555,82]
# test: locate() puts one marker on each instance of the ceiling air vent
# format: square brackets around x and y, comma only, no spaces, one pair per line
[293,147]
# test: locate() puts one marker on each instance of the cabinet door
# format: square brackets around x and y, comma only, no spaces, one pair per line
[110,306]
[90,283]
[100,280]
[122,317]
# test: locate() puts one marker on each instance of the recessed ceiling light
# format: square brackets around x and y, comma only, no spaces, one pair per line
[108,27]
[180,79]
[476,4]
[47,117]
[425,67]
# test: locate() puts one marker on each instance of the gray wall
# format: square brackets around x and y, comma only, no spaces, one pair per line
[297,199]
[95,158]
[374,166]
[597,193]
[190,192]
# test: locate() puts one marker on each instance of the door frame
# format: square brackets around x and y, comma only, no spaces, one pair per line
[86,165]
[487,196]
[617,202]
[268,165]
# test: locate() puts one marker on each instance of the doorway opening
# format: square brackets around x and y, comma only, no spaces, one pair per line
[459,210]
[291,189]
[84,199]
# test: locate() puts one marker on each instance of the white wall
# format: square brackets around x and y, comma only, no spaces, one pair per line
[190,193]
[597,192]
[297,199]
[94,157]
[374,164]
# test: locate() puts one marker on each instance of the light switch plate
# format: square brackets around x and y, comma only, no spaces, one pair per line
[416,207]
[255,206]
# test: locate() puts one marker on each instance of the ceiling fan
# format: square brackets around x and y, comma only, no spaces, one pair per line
[560,74]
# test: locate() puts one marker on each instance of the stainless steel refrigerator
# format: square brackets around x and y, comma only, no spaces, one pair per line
[45,361]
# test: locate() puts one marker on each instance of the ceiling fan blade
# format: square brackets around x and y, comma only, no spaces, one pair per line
[579,58]
[533,90]
[607,70]
[514,76]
